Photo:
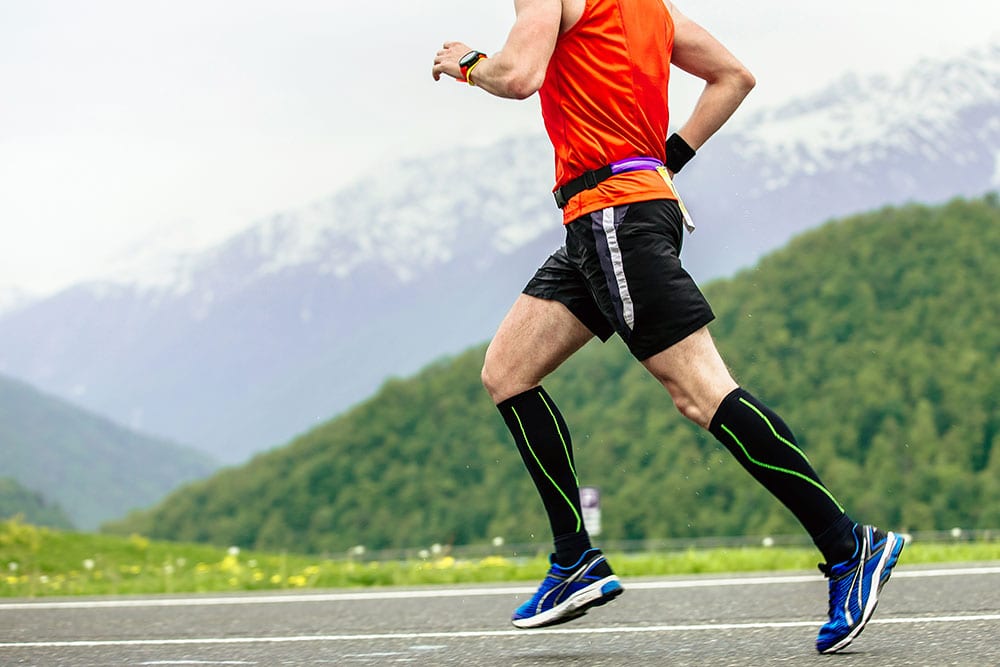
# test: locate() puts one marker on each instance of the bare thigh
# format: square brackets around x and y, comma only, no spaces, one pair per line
[535,338]
[695,375]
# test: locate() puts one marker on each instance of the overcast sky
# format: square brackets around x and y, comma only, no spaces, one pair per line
[139,124]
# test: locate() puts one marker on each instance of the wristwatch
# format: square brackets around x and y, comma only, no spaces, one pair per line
[469,61]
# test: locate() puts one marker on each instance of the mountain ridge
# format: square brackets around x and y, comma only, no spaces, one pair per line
[875,337]
[93,469]
[828,123]
[310,310]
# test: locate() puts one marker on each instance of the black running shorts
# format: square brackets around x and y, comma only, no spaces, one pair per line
[620,271]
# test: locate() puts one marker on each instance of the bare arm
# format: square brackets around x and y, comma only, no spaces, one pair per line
[727,81]
[517,70]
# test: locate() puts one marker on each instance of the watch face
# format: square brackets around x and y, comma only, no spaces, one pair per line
[469,58]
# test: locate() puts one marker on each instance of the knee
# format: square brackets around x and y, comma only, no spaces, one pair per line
[490,380]
[695,402]
[500,383]
[692,409]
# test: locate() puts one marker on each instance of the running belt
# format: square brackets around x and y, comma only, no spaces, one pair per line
[589,180]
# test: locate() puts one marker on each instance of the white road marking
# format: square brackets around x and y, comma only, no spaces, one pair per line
[485,634]
[806,578]
[197,601]
[197,662]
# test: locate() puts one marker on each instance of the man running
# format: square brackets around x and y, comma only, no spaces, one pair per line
[601,69]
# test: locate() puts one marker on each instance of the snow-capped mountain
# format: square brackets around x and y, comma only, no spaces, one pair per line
[240,347]
[419,216]
[864,120]
[13,297]
[304,313]
[927,135]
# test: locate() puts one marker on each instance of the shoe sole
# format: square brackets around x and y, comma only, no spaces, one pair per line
[597,594]
[890,555]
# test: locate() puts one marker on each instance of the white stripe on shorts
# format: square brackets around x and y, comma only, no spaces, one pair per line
[608,222]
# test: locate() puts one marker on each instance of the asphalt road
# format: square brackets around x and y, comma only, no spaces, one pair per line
[927,616]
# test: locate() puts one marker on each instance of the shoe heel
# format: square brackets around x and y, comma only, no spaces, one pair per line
[608,592]
[611,589]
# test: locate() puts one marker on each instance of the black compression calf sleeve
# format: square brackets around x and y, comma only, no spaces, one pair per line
[543,440]
[766,448]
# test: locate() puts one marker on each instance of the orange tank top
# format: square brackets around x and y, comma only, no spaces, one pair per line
[604,99]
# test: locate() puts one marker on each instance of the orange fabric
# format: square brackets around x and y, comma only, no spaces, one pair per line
[605,99]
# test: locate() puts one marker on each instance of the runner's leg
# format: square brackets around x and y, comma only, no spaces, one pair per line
[535,337]
[703,390]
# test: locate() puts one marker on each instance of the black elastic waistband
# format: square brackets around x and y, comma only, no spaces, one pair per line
[589,180]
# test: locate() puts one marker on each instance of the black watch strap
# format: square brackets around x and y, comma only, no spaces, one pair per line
[470,59]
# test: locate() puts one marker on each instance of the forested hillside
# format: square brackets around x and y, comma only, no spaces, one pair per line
[92,468]
[15,500]
[876,337]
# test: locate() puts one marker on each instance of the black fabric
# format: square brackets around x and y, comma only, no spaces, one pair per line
[840,541]
[678,153]
[559,280]
[586,181]
[668,304]
[570,547]
[766,448]
[665,303]
[543,440]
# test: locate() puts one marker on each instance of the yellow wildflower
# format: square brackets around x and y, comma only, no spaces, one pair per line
[445,563]
[493,561]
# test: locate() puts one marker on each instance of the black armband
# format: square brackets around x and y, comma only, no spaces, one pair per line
[678,153]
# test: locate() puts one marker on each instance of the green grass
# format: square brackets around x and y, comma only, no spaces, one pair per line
[43,562]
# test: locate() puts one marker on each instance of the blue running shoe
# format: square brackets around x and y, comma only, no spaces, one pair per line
[855,585]
[568,592]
